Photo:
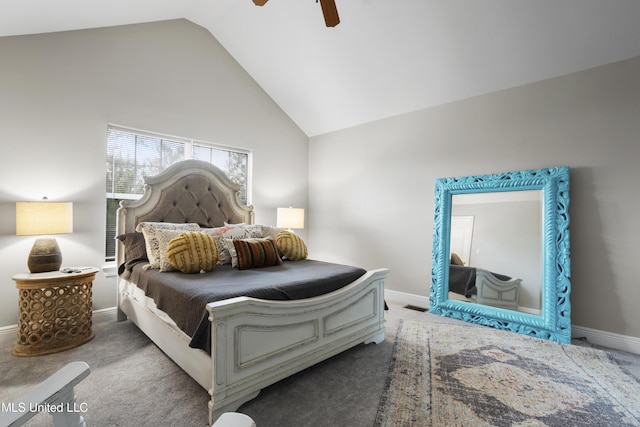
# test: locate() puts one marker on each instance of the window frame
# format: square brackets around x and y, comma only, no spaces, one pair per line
[188,145]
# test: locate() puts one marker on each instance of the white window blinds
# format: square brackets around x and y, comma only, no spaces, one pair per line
[132,155]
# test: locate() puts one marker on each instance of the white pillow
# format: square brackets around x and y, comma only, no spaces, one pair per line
[254,230]
[271,231]
[231,248]
[155,248]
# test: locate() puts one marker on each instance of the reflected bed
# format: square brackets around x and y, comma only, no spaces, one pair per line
[483,287]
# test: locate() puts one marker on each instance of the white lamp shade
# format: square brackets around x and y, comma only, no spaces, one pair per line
[44,218]
[290,218]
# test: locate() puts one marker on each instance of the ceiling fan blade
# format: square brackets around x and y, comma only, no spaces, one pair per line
[330,12]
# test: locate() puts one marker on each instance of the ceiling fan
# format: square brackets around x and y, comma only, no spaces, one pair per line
[329,10]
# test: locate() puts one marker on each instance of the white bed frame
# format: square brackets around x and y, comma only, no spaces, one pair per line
[255,343]
[493,291]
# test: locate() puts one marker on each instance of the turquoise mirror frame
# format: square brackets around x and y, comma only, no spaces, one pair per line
[554,321]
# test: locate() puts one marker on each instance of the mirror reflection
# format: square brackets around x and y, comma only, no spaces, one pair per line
[496,249]
[501,251]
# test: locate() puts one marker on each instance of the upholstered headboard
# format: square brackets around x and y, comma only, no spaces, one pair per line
[189,191]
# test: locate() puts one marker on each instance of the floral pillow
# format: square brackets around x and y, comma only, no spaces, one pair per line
[272,232]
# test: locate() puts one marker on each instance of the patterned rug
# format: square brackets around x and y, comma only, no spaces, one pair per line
[450,375]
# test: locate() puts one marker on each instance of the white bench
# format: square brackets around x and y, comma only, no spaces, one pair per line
[55,393]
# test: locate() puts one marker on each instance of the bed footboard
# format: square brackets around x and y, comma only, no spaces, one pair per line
[257,342]
[495,292]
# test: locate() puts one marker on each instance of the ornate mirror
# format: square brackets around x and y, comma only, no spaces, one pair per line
[501,251]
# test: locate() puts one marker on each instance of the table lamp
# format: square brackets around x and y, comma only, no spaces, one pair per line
[44,218]
[290,218]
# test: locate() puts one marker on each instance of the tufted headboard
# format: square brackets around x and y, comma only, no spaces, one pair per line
[189,191]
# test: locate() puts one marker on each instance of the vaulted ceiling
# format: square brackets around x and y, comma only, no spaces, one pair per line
[386,57]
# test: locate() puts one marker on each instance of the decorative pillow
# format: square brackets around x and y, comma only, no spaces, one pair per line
[134,247]
[291,245]
[226,232]
[164,238]
[456,260]
[272,232]
[231,249]
[152,231]
[256,253]
[134,250]
[254,230]
[192,252]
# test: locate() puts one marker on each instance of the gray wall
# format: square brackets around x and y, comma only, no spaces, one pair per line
[371,187]
[57,94]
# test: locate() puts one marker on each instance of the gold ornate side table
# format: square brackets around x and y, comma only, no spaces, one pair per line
[55,311]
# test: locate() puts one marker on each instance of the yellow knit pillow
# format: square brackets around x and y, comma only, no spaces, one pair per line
[192,252]
[291,245]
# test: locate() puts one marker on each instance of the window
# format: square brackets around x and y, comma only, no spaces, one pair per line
[132,155]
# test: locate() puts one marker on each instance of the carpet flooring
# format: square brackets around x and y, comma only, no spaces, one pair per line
[132,383]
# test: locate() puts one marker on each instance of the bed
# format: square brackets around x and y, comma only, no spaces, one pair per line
[247,342]
[482,286]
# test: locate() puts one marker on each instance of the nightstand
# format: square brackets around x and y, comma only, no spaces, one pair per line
[55,311]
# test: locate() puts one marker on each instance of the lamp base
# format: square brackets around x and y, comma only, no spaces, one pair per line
[44,256]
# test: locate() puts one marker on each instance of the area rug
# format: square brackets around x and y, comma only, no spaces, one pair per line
[450,375]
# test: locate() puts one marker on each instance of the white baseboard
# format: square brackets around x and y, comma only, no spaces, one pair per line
[409,299]
[9,333]
[607,339]
[594,336]
[105,315]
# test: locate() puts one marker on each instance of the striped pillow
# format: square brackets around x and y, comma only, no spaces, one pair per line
[291,245]
[256,253]
[192,252]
